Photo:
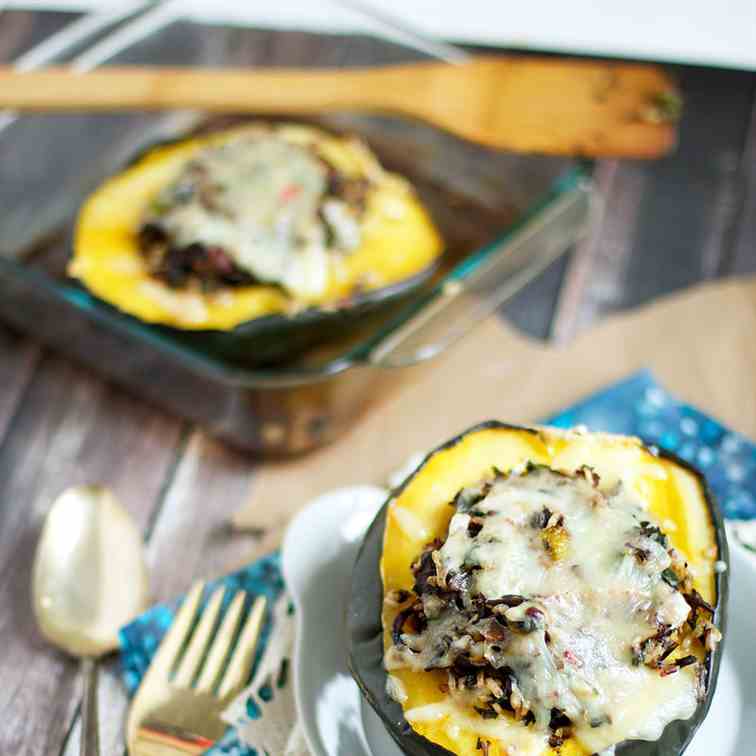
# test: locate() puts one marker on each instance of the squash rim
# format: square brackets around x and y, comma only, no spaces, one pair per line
[365,632]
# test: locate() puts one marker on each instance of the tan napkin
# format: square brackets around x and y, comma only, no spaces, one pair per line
[701,345]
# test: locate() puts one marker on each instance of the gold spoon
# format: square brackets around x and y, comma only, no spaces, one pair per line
[89,579]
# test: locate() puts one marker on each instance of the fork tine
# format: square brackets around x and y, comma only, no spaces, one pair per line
[173,642]
[240,664]
[221,645]
[192,657]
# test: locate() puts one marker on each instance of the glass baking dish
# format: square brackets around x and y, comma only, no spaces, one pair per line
[483,202]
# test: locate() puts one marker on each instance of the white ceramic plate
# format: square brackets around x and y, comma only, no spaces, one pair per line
[318,554]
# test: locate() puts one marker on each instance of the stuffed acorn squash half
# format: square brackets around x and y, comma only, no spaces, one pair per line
[277,235]
[533,591]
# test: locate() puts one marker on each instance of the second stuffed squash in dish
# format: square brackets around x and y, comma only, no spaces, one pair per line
[218,230]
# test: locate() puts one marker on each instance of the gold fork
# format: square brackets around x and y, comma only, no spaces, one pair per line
[195,673]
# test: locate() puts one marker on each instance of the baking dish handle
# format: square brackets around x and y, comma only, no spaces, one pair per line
[480,285]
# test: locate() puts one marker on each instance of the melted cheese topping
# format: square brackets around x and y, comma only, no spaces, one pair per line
[580,557]
[262,200]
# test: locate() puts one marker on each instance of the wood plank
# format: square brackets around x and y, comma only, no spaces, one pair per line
[191,538]
[595,277]
[70,428]
[687,207]
[211,483]
[669,222]
[533,309]
[743,255]
[20,29]
[18,358]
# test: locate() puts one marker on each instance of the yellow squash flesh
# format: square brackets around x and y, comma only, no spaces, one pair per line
[421,512]
[398,240]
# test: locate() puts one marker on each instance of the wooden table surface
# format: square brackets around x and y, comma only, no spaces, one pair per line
[668,224]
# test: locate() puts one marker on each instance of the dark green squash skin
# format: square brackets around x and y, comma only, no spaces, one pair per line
[365,631]
[275,339]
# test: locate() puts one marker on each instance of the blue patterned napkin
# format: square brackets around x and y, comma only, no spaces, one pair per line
[636,406]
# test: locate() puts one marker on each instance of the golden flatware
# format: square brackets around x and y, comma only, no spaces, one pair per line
[88,580]
[526,104]
[201,664]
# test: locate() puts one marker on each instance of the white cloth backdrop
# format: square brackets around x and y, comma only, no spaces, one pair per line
[721,33]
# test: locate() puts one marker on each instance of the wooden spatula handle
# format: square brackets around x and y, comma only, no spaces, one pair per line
[239,90]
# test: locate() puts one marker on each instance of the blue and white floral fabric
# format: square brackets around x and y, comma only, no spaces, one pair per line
[636,406]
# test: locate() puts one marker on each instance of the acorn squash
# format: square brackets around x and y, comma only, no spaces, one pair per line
[260,239]
[466,585]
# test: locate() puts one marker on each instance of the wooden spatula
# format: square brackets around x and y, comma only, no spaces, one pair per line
[525,104]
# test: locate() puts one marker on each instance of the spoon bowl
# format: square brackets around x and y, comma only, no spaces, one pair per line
[89,579]
[89,575]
